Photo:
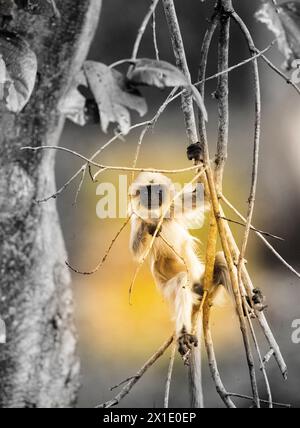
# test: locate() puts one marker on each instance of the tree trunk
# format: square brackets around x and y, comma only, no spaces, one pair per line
[38,365]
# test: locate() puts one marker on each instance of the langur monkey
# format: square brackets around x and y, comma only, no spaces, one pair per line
[175,265]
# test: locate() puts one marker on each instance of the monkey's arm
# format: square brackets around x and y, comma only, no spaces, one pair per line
[141,235]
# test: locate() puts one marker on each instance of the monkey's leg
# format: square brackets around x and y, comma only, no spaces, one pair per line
[179,293]
[221,278]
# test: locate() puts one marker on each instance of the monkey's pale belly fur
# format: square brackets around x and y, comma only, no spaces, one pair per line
[175,267]
[176,270]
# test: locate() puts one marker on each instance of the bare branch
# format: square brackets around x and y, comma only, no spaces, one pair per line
[155,36]
[128,387]
[143,28]
[212,358]
[169,377]
[253,229]
[247,397]
[222,93]
[234,67]
[80,185]
[107,167]
[262,364]
[101,263]
[280,73]
[257,134]
[179,52]
[234,250]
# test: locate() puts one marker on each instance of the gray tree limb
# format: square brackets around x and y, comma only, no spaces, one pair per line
[38,365]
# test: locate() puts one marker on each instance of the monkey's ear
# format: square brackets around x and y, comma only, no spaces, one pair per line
[134,190]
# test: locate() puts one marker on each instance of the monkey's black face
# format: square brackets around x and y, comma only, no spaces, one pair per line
[152,196]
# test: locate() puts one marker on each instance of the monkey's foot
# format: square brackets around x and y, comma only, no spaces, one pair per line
[259,300]
[195,152]
[186,342]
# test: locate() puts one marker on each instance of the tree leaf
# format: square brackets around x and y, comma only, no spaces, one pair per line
[39,7]
[163,74]
[284,22]
[113,95]
[156,73]
[21,68]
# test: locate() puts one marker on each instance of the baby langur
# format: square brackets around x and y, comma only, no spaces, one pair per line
[175,265]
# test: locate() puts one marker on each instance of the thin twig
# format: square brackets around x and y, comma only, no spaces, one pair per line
[247,397]
[97,153]
[143,28]
[110,167]
[222,93]
[256,150]
[213,230]
[101,263]
[122,383]
[232,68]
[181,61]
[169,377]
[155,43]
[80,185]
[280,73]
[262,364]
[128,387]
[234,250]
[253,229]
[212,359]
[264,240]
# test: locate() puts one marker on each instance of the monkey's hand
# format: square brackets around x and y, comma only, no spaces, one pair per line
[195,152]
[152,228]
[186,342]
[259,300]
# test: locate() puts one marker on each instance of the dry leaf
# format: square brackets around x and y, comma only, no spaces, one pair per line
[113,96]
[163,74]
[284,22]
[156,73]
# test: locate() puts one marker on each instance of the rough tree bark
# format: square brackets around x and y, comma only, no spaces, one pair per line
[38,365]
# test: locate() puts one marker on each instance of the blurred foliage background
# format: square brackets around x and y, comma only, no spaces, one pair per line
[115,338]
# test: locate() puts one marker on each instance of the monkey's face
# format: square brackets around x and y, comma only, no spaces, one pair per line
[152,196]
[150,199]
